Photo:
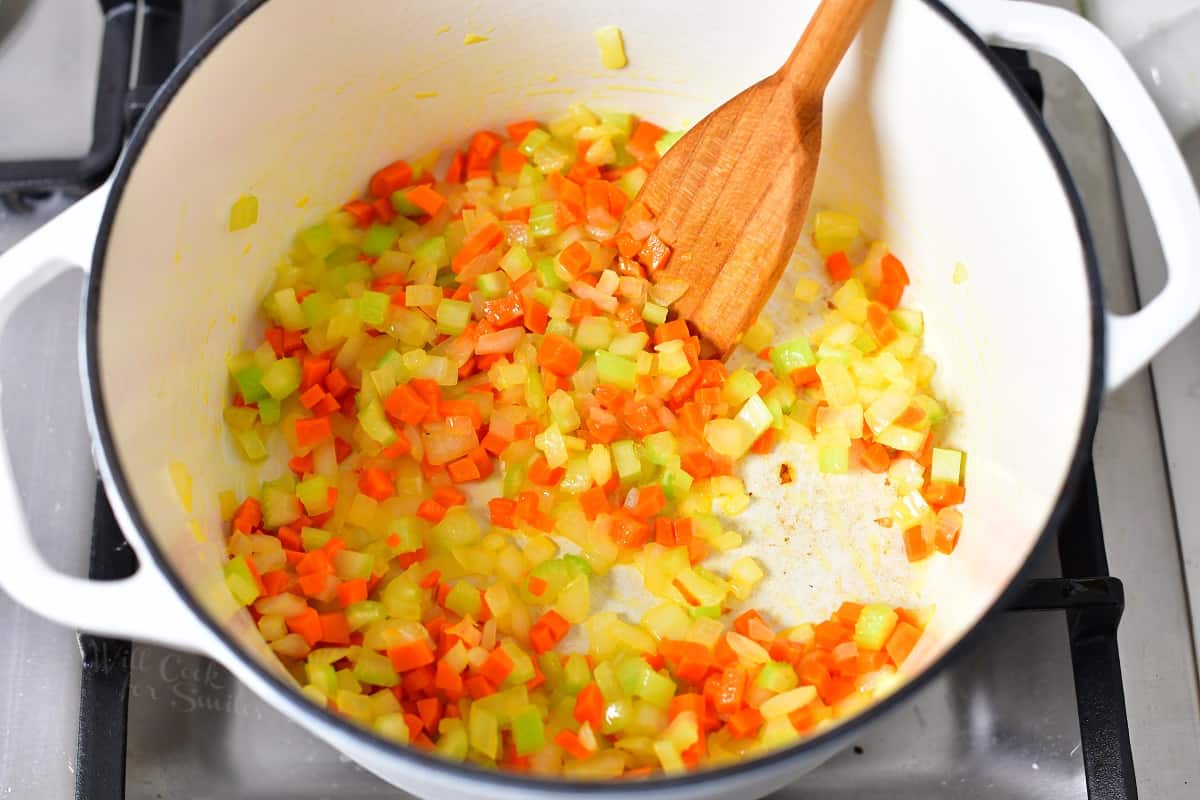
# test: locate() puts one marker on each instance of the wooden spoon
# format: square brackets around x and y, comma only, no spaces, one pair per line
[731,195]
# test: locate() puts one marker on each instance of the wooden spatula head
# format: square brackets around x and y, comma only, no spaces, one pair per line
[730,197]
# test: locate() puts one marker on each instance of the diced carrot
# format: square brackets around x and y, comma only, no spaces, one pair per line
[655,254]
[411,655]
[315,562]
[838,266]
[559,354]
[449,496]
[893,271]
[540,474]
[336,383]
[313,431]
[430,711]
[664,532]
[448,681]
[651,500]
[479,686]
[730,690]
[889,294]
[248,516]
[351,592]
[307,624]
[503,311]
[274,337]
[901,642]
[376,484]
[537,586]
[589,706]
[915,545]
[406,405]
[537,316]
[361,211]
[503,512]
[334,628]
[641,142]
[275,582]
[629,531]
[485,144]
[570,741]
[478,243]
[394,176]
[463,470]
[575,258]
[497,666]
[668,331]
[431,510]
[941,493]
[745,723]
[426,198]
[517,131]
[313,371]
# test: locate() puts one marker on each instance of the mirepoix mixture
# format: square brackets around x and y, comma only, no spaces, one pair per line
[488,406]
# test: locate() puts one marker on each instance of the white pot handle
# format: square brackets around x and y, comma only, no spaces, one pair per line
[142,606]
[1137,124]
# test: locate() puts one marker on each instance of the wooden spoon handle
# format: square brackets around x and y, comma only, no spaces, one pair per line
[829,33]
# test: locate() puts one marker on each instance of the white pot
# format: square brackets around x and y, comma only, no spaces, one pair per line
[926,140]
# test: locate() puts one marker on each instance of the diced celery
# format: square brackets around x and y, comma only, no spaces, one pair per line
[740,386]
[453,316]
[250,444]
[875,624]
[837,382]
[241,581]
[547,275]
[403,206]
[375,669]
[464,600]
[378,238]
[433,251]
[632,181]
[543,219]
[755,416]
[710,612]
[790,356]
[316,308]
[946,465]
[493,284]
[532,141]
[282,378]
[628,345]
[483,731]
[516,262]
[375,423]
[269,410]
[314,495]
[594,333]
[626,460]
[528,731]
[616,370]
[279,506]
[322,676]
[342,254]
[576,674]
[665,141]
[777,677]
[361,614]
[834,231]
[392,726]
[243,213]
[675,482]
[349,565]
[612,48]
[898,437]
[318,240]
[373,308]
[654,313]
[908,321]
[659,448]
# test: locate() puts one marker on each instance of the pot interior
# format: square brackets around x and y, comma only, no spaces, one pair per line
[301,102]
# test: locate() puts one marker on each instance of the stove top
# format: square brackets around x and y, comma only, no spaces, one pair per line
[145,722]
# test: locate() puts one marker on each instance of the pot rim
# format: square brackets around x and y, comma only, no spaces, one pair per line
[296,704]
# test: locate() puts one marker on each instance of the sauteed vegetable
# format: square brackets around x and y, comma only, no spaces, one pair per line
[487,408]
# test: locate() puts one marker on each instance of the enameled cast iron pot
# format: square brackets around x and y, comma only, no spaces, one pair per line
[927,139]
